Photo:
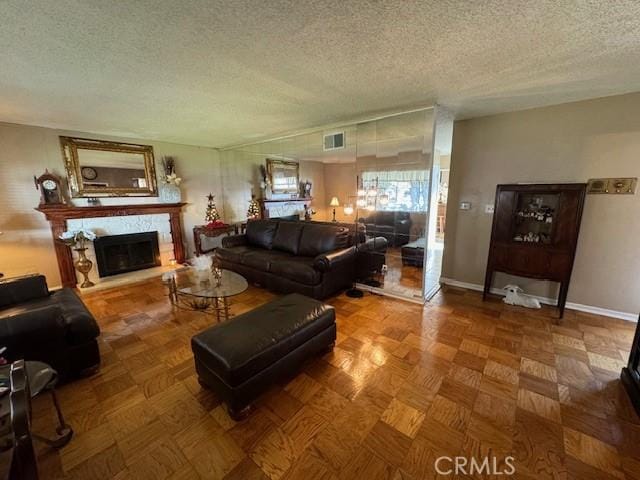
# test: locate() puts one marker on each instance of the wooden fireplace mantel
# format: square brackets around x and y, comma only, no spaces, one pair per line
[58,216]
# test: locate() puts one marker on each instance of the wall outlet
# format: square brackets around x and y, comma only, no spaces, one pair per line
[488,208]
[465,205]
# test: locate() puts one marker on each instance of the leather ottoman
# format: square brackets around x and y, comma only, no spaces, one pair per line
[413,253]
[241,358]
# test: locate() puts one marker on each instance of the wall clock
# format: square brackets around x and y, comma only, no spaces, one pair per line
[89,173]
[50,189]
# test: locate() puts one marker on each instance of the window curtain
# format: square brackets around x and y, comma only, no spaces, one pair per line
[408,188]
[396,176]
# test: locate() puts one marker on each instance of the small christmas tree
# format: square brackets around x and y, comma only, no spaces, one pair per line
[211,215]
[254,209]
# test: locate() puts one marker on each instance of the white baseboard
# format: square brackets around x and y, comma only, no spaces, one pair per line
[386,293]
[631,317]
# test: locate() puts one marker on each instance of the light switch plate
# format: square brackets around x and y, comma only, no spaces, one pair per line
[465,205]
[625,186]
[488,208]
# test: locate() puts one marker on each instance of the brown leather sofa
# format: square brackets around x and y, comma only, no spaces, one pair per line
[310,258]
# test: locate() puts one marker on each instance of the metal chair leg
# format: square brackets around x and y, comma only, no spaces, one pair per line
[64,431]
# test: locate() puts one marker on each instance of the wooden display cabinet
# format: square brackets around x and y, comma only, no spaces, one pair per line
[535,233]
[631,373]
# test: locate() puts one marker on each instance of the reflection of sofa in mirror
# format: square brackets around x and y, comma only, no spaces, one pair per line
[394,226]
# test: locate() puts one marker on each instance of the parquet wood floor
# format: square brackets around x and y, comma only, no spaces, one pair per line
[403,386]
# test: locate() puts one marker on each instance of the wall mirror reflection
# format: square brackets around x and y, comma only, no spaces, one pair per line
[101,168]
[283,175]
[387,184]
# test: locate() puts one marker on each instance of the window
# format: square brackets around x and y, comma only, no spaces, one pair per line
[404,190]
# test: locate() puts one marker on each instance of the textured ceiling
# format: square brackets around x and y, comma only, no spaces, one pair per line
[218,73]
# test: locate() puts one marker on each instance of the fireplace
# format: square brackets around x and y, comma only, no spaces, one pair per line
[126,253]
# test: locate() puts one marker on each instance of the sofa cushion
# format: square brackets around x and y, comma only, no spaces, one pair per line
[317,239]
[233,254]
[287,237]
[244,346]
[260,233]
[384,229]
[402,216]
[297,269]
[385,218]
[23,290]
[261,259]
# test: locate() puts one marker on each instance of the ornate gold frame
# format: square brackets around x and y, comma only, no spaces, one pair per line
[271,163]
[70,147]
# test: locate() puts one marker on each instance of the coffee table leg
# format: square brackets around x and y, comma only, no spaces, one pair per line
[173,291]
[225,302]
[217,307]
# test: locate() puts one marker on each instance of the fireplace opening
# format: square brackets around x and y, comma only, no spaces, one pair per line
[126,253]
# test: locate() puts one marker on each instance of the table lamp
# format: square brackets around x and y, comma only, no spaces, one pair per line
[334,203]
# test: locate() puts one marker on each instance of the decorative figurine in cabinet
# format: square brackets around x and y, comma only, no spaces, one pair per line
[535,233]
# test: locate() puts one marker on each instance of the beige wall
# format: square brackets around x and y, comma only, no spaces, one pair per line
[241,178]
[26,246]
[571,142]
[340,182]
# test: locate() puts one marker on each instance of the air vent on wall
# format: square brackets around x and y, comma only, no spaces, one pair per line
[333,141]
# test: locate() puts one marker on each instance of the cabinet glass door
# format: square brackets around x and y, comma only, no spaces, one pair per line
[534,217]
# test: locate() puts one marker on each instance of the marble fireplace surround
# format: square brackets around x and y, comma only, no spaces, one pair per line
[273,208]
[161,217]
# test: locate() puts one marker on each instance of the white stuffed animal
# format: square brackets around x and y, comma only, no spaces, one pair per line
[514,297]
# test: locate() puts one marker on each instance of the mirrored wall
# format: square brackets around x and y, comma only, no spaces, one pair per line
[376,177]
[392,198]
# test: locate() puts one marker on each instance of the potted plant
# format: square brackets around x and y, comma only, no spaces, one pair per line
[170,187]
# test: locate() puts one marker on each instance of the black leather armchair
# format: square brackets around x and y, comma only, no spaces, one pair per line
[394,226]
[52,327]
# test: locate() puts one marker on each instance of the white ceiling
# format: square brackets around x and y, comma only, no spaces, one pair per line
[218,73]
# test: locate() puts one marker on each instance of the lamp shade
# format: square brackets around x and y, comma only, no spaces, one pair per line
[334,202]
[348,209]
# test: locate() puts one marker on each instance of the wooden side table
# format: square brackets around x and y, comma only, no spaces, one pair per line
[210,232]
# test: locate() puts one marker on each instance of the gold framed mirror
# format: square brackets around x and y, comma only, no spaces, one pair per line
[284,176]
[98,168]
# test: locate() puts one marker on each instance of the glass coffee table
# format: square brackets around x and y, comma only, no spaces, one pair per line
[201,291]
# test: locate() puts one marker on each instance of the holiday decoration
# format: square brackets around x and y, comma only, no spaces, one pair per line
[254,209]
[170,175]
[211,215]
